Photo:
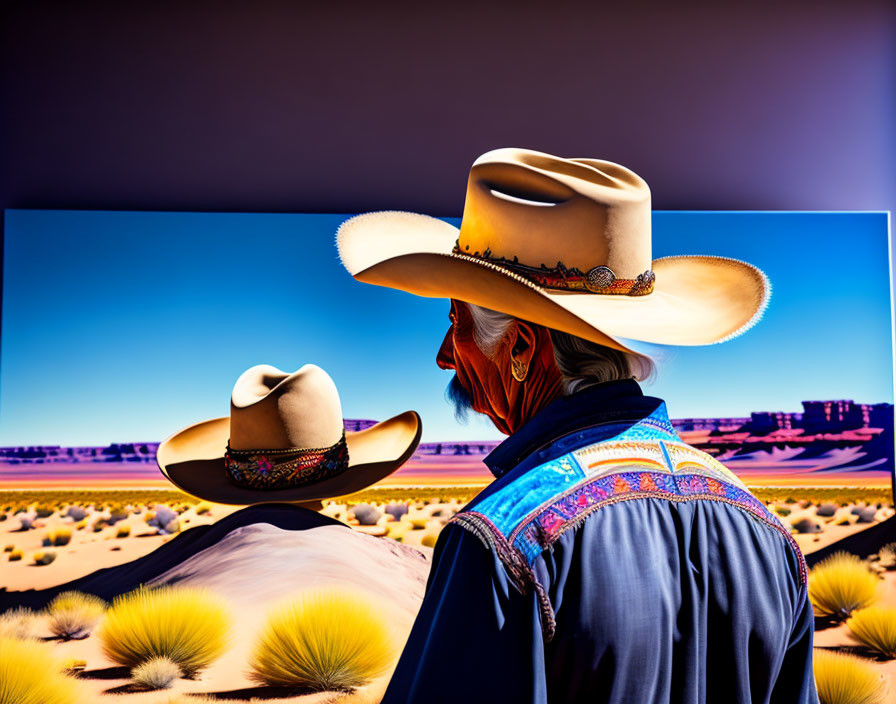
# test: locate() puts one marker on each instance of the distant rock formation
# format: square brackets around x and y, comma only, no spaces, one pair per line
[821,427]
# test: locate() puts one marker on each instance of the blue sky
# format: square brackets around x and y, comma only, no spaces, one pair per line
[126,326]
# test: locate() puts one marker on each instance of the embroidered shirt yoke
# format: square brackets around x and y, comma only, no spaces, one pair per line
[612,562]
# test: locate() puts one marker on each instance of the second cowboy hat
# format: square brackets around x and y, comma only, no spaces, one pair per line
[284,441]
[565,243]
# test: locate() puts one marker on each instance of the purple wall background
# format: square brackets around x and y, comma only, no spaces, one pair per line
[277,106]
[271,106]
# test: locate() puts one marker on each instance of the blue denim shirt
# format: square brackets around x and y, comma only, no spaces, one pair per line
[611,562]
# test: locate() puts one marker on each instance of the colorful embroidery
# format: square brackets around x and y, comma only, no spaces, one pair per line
[536,509]
[280,469]
[599,279]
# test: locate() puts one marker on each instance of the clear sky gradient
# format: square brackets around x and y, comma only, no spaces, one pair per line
[126,326]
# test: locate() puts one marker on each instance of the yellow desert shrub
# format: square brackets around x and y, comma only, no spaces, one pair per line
[324,640]
[16,554]
[156,673]
[844,679]
[123,531]
[58,536]
[203,507]
[876,628]
[841,584]
[74,615]
[29,674]
[188,626]
[43,557]
[397,531]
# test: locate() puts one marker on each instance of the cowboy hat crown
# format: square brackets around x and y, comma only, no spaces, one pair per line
[564,243]
[271,409]
[539,211]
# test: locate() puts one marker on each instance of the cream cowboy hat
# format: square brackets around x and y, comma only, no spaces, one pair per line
[284,441]
[564,243]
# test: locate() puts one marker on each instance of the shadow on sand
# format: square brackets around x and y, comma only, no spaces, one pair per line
[106,673]
[259,693]
[863,651]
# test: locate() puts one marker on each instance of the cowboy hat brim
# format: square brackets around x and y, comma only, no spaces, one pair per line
[697,300]
[193,460]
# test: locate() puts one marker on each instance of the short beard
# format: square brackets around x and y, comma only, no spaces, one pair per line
[459,397]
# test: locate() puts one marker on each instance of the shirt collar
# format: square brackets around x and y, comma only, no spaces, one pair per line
[621,400]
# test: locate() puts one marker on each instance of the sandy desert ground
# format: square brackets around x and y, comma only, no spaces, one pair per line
[388,558]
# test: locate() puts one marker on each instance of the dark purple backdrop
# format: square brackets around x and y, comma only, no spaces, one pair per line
[272,106]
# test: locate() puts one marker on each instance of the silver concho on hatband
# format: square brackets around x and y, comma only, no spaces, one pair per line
[599,278]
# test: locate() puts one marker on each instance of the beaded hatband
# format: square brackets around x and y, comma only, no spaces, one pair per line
[600,279]
[282,469]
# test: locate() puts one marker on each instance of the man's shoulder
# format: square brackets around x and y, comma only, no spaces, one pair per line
[528,511]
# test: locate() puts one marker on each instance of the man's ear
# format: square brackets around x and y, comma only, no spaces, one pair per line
[524,343]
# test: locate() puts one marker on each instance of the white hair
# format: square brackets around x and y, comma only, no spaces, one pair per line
[581,362]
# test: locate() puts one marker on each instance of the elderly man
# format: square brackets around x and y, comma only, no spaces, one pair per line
[609,562]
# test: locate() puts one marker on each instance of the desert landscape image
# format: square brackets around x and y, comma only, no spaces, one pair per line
[102,528]
[117,586]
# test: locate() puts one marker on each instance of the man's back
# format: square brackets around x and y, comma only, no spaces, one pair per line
[611,562]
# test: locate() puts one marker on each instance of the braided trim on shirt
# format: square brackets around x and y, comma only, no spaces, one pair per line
[521,574]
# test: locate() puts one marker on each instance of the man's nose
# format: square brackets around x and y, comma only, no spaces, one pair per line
[445,357]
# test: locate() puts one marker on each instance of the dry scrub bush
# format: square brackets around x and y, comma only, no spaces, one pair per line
[156,673]
[888,556]
[396,510]
[118,513]
[203,507]
[123,531]
[366,515]
[74,615]
[15,555]
[76,513]
[18,623]
[29,674]
[876,628]
[43,511]
[841,584]
[324,640]
[188,626]
[61,535]
[9,548]
[43,557]
[826,510]
[844,679]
